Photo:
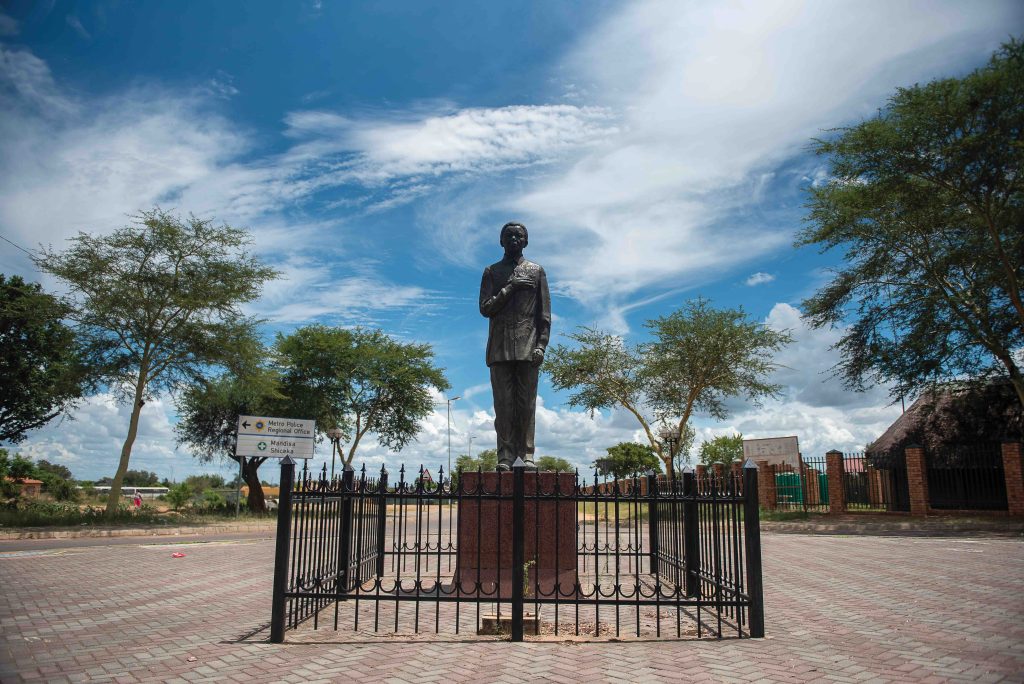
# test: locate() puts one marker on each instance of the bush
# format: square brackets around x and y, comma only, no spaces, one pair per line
[213,501]
[179,495]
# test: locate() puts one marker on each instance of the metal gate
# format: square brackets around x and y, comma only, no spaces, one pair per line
[525,552]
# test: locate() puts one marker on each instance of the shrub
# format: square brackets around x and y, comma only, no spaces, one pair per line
[179,495]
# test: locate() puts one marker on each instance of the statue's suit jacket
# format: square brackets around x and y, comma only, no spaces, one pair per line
[520,320]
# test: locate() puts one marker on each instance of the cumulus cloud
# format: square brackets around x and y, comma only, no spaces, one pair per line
[8,25]
[714,98]
[759,278]
[814,405]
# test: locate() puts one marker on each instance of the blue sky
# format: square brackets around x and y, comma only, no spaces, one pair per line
[656,151]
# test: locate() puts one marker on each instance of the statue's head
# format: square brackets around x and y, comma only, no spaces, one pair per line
[517,229]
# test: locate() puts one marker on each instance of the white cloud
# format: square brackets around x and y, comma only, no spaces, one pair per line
[759,278]
[76,25]
[91,444]
[713,98]
[8,25]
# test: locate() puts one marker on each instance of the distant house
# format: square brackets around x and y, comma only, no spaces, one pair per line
[29,487]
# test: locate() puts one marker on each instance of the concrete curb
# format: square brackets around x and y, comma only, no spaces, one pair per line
[176,531]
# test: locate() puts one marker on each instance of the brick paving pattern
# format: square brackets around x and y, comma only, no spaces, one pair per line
[840,609]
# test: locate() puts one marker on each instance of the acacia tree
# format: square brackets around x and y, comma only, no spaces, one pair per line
[627,459]
[722,449]
[926,201]
[156,304]
[42,370]
[698,357]
[208,414]
[360,381]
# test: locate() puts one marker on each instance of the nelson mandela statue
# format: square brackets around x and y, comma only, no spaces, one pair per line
[514,297]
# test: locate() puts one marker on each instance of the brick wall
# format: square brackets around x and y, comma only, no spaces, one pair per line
[1013,470]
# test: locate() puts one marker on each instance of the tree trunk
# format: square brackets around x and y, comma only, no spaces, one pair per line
[256,502]
[126,449]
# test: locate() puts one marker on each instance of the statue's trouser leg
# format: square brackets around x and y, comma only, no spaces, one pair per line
[526,408]
[503,390]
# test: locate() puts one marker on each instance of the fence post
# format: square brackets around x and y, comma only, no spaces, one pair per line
[691,542]
[518,529]
[283,544]
[652,517]
[752,541]
[836,476]
[345,533]
[382,520]
[917,479]
[1013,472]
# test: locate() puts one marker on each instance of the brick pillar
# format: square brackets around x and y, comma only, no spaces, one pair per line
[917,480]
[700,474]
[736,473]
[834,471]
[766,485]
[1013,471]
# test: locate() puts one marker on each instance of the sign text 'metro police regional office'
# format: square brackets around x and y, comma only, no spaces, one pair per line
[275,437]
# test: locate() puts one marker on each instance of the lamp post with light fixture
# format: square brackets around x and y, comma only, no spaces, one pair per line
[334,434]
[450,433]
[670,436]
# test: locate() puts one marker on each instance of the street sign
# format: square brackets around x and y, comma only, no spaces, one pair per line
[775,450]
[275,437]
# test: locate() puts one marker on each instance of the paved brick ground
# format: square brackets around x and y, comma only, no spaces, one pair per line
[844,609]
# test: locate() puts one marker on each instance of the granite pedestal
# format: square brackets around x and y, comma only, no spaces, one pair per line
[485,536]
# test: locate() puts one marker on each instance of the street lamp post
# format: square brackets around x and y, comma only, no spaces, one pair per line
[670,436]
[471,438]
[335,436]
[450,433]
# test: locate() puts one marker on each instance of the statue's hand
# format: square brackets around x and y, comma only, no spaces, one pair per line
[521,281]
[537,357]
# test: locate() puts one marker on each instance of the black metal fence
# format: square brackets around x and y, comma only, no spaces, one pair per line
[802,487]
[967,477]
[875,484]
[520,551]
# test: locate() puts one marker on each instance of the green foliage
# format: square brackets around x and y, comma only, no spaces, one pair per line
[208,414]
[200,483]
[213,500]
[42,371]
[179,495]
[157,304]
[486,461]
[133,478]
[21,467]
[925,202]
[553,464]
[627,459]
[63,472]
[722,449]
[361,381]
[698,358]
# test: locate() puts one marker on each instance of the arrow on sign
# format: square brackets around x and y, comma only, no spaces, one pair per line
[245,424]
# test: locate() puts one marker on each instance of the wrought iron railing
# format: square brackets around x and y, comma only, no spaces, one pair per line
[646,556]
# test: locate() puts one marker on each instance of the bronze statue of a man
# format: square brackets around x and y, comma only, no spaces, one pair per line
[514,296]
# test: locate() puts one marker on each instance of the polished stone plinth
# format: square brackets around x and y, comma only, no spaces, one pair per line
[485,535]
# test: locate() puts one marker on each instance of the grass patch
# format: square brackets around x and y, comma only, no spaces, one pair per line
[782,516]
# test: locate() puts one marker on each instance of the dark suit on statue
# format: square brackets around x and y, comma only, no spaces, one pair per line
[520,322]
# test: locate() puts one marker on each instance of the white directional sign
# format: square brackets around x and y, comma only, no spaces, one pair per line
[275,437]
